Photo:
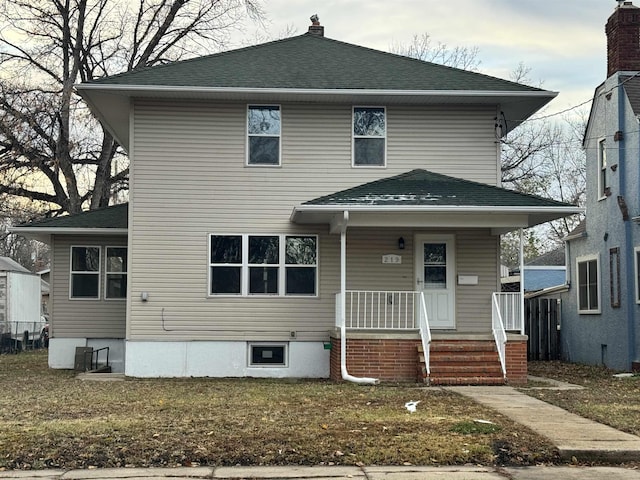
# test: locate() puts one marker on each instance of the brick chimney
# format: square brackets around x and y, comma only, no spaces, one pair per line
[316,28]
[623,39]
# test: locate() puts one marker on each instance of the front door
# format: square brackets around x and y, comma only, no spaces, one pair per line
[435,276]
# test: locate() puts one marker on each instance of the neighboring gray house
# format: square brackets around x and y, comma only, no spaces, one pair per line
[601,311]
[300,208]
[545,271]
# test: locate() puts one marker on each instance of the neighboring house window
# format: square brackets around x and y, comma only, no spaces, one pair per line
[603,186]
[369,136]
[614,276]
[116,272]
[637,263]
[85,272]
[263,132]
[263,265]
[588,284]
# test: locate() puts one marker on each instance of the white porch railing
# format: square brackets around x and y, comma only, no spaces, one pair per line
[510,306]
[387,310]
[499,333]
[381,310]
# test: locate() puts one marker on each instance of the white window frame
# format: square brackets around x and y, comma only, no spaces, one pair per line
[80,272]
[248,135]
[245,265]
[588,259]
[285,354]
[602,169]
[354,137]
[107,272]
[636,262]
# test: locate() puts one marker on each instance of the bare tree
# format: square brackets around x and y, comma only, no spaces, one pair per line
[51,148]
[424,48]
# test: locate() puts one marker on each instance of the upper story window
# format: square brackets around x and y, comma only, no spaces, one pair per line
[116,273]
[369,137]
[85,273]
[603,185]
[588,284]
[263,135]
[263,265]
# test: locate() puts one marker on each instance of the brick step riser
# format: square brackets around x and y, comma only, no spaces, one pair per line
[466,372]
[462,349]
[466,381]
[463,358]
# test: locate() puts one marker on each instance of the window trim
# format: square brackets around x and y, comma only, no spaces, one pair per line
[248,135]
[245,265]
[354,136]
[636,262]
[107,272]
[72,273]
[602,169]
[285,354]
[588,259]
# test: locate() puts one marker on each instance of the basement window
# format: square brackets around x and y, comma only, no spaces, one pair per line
[267,355]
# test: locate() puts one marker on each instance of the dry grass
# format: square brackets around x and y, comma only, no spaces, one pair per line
[48,418]
[605,398]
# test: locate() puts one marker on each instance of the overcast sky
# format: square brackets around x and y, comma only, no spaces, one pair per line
[562,41]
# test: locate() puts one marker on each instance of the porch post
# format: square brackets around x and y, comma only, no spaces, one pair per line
[521,282]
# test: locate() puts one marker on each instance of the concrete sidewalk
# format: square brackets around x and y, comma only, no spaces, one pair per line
[574,436]
[334,473]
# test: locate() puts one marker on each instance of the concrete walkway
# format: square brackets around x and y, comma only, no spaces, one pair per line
[335,473]
[574,436]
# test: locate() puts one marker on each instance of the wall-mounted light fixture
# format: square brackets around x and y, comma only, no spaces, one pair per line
[401,243]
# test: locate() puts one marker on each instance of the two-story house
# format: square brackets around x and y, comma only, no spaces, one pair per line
[601,311]
[300,208]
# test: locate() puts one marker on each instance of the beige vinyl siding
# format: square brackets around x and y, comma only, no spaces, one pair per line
[86,318]
[191,180]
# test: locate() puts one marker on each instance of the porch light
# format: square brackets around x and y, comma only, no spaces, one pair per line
[401,243]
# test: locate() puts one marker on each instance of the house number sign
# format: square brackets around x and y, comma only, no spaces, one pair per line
[396,259]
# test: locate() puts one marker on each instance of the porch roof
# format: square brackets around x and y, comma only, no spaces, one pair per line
[111,220]
[421,198]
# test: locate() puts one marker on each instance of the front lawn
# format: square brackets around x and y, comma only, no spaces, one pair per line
[606,399]
[49,418]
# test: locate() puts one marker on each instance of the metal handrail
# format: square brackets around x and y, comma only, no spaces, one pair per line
[499,333]
[95,353]
[425,333]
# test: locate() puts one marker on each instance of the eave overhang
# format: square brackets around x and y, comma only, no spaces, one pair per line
[500,219]
[111,102]
[44,234]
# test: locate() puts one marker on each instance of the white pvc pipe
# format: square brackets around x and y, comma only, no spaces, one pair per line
[343,307]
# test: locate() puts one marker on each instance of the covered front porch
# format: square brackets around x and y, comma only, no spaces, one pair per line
[419,291]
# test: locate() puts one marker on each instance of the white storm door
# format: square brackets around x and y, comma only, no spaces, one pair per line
[435,276]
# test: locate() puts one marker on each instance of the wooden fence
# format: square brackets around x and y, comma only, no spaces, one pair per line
[542,325]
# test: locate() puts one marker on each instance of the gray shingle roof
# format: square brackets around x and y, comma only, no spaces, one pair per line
[110,217]
[312,62]
[425,188]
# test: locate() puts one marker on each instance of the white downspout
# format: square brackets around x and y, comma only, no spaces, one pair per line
[343,307]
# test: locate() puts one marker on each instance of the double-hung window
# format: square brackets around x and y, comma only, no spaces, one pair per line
[276,265]
[116,273]
[263,135]
[588,268]
[369,137]
[603,187]
[85,273]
